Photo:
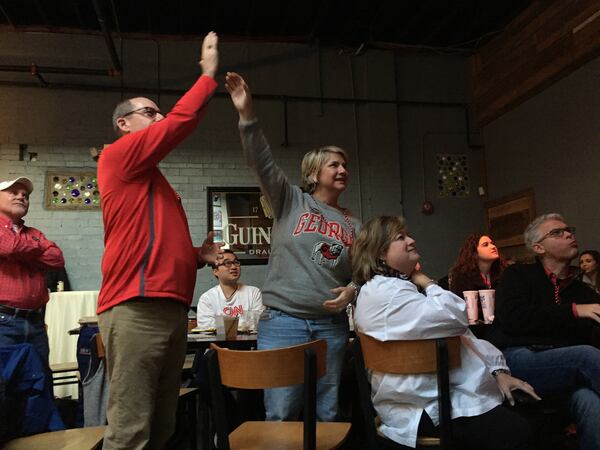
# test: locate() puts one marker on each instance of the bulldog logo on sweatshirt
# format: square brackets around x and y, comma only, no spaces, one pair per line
[325,253]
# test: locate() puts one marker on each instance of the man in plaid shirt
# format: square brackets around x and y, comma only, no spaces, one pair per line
[25,255]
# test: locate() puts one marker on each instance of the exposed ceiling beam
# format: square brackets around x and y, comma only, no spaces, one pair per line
[115,17]
[6,16]
[107,37]
[40,10]
[415,22]
[443,24]
[77,13]
[374,20]
[322,11]
[287,11]
[250,22]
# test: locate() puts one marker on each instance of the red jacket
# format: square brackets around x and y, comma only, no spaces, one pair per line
[25,255]
[148,249]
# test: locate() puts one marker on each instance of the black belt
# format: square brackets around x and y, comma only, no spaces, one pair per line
[18,312]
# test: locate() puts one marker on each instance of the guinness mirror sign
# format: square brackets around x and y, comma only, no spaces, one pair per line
[241,217]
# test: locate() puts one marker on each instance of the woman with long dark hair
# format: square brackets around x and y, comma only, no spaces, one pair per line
[479,265]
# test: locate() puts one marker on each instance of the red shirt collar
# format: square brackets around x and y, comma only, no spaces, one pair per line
[554,278]
[6,221]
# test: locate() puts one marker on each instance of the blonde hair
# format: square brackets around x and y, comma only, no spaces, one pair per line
[314,161]
[372,243]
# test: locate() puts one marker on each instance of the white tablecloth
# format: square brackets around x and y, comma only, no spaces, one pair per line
[63,311]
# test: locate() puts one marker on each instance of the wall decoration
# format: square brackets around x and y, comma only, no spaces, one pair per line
[241,217]
[72,189]
[453,175]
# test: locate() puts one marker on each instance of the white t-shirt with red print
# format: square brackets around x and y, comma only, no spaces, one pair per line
[214,303]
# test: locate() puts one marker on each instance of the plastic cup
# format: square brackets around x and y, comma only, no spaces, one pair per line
[471,298]
[220,325]
[488,303]
[231,327]
[249,321]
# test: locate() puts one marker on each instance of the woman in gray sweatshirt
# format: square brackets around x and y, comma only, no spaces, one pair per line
[310,258]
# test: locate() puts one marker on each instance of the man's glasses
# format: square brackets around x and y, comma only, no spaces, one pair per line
[229,263]
[146,111]
[557,233]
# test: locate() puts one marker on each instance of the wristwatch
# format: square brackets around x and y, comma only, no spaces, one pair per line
[356,288]
[497,371]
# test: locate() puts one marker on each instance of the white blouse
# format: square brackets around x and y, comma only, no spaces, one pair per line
[393,309]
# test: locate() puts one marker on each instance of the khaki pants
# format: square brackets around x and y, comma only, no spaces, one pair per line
[145,340]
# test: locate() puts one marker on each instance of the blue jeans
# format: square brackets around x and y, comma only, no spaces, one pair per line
[278,329]
[584,408]
[574,370]
[19,330]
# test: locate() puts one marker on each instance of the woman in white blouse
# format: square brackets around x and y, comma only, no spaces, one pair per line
[397,302]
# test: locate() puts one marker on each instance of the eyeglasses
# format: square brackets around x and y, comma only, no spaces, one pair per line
[230,262]
[557,233]
[146,111]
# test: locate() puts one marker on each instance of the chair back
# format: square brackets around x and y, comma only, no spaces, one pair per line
[406,357]
[261,369]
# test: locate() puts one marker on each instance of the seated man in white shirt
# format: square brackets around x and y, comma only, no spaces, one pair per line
[229,297]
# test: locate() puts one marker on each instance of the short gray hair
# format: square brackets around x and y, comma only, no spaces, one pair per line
[120,110]
[314,161]
[532,233]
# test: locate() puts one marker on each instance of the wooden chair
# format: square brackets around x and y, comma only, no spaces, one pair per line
[259,369]
[73,439]
[405,358]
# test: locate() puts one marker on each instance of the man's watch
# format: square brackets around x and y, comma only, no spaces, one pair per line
[497,371]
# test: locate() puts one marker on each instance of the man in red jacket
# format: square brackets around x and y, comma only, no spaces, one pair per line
[25,256]
[149,264]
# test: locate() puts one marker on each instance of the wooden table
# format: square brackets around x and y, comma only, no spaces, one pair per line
[199,341]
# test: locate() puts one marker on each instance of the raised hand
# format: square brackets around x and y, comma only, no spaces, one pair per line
[211,251]
[240,95]
[209,60]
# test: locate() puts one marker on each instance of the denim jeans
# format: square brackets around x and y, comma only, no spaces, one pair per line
[19,330]
[561,369]
[278,329]
[574,370]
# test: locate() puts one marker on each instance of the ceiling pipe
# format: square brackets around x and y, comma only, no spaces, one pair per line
[116,63]
[274,97]
[58,70]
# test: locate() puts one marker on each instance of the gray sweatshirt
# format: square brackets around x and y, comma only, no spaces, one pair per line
[310,241]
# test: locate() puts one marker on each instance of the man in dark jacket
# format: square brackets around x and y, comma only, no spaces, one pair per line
[545,320]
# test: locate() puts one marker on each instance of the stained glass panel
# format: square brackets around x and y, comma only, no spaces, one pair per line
[453,175]
[72,189]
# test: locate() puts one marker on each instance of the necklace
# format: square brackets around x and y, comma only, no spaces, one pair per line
[232,294]
[344,212]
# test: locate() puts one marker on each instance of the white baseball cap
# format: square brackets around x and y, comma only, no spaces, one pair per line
[24,181]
